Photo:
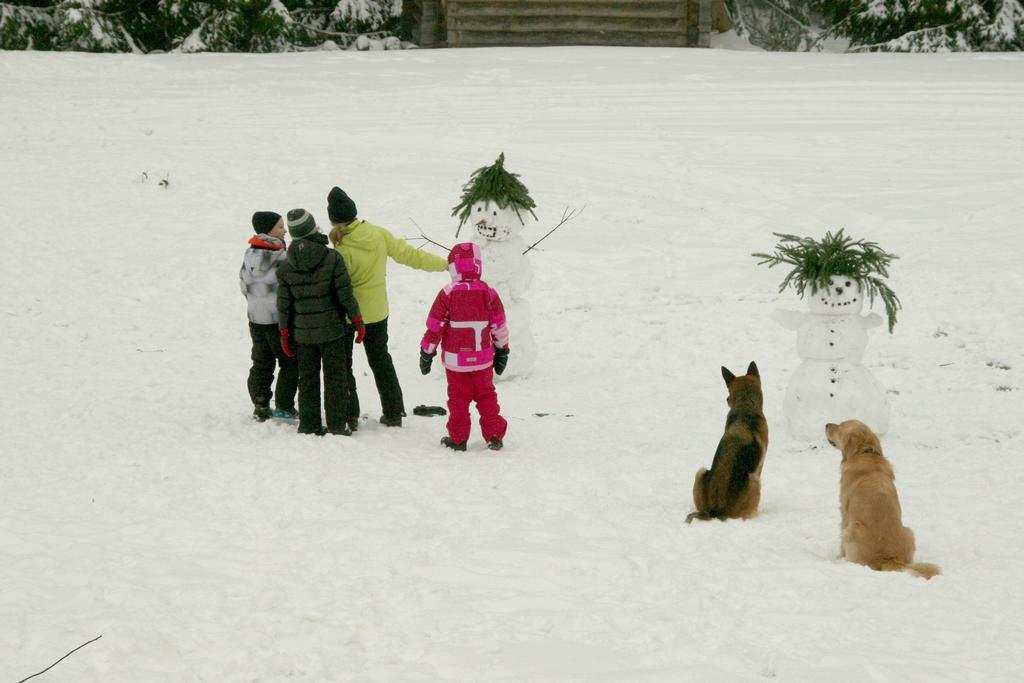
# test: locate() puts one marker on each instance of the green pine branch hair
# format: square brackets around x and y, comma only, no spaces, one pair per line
[814,262]
[494,183]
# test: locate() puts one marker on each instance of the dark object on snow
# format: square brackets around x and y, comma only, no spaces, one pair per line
[391,420]
[264,221]
[500,359]
[426,411]
[340,207]
[353,424]
[447,442]
[495,444]
[262,413]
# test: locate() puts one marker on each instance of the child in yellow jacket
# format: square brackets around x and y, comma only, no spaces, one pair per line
[366,249]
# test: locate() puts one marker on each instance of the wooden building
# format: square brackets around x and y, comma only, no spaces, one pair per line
[494,23]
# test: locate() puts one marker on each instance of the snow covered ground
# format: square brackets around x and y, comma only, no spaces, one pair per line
[141,503]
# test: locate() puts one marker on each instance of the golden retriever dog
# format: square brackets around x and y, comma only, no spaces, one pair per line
[871,531]
[732,487]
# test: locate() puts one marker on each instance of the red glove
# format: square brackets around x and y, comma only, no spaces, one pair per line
[360,329]
[284,343]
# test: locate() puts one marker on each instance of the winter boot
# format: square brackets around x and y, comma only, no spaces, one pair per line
[447,441]
[353,423]
[343,430]
[495,444]
[391,420]
[261,412]
[286,414]
[318,431]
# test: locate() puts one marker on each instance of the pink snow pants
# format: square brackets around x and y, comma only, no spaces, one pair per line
[478,386]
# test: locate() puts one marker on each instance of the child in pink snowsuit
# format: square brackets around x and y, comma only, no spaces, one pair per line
[467,320]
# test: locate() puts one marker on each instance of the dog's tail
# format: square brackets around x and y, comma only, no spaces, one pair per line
[925,570]
[699,515]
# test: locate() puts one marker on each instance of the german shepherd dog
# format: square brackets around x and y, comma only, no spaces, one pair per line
[871,531]
[732,487]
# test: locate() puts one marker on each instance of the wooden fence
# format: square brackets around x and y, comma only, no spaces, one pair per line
[648,23]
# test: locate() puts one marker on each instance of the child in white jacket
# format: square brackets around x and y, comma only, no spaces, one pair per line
[258,281]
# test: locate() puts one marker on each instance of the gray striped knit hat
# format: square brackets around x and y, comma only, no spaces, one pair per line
[300,224]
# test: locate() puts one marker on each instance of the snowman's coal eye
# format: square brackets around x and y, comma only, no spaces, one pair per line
[479,209]
[494,213]
[847,283]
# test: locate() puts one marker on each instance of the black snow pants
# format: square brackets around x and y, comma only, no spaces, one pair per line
[332,357]
[266,355]
[375,343]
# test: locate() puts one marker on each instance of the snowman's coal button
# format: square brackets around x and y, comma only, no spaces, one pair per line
[831,343]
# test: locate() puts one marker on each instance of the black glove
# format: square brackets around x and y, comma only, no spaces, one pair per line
[425,360]
[500,360]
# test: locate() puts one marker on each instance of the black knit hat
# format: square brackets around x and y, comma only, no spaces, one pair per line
[340,207]
[300,224]
[264,221]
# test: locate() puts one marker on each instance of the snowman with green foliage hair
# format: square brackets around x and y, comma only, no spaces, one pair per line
[497,207]
[835,275]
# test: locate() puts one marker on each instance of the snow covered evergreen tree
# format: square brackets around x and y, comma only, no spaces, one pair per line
[233,25]
[777,25]
[93,26]
[84,25]
[276,25]
[342,20]
[932,25]
[882,25]
[26,25]
[190,25]
[364,16]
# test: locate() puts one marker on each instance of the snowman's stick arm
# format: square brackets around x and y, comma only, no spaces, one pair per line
[423,235]
[566,217]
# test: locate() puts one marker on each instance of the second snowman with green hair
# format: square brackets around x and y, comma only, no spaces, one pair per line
[497,206]
[834,274]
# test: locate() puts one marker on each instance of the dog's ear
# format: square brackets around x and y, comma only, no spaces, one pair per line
[727,376]
[752,369]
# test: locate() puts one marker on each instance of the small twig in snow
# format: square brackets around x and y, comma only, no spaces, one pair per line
[62,658]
